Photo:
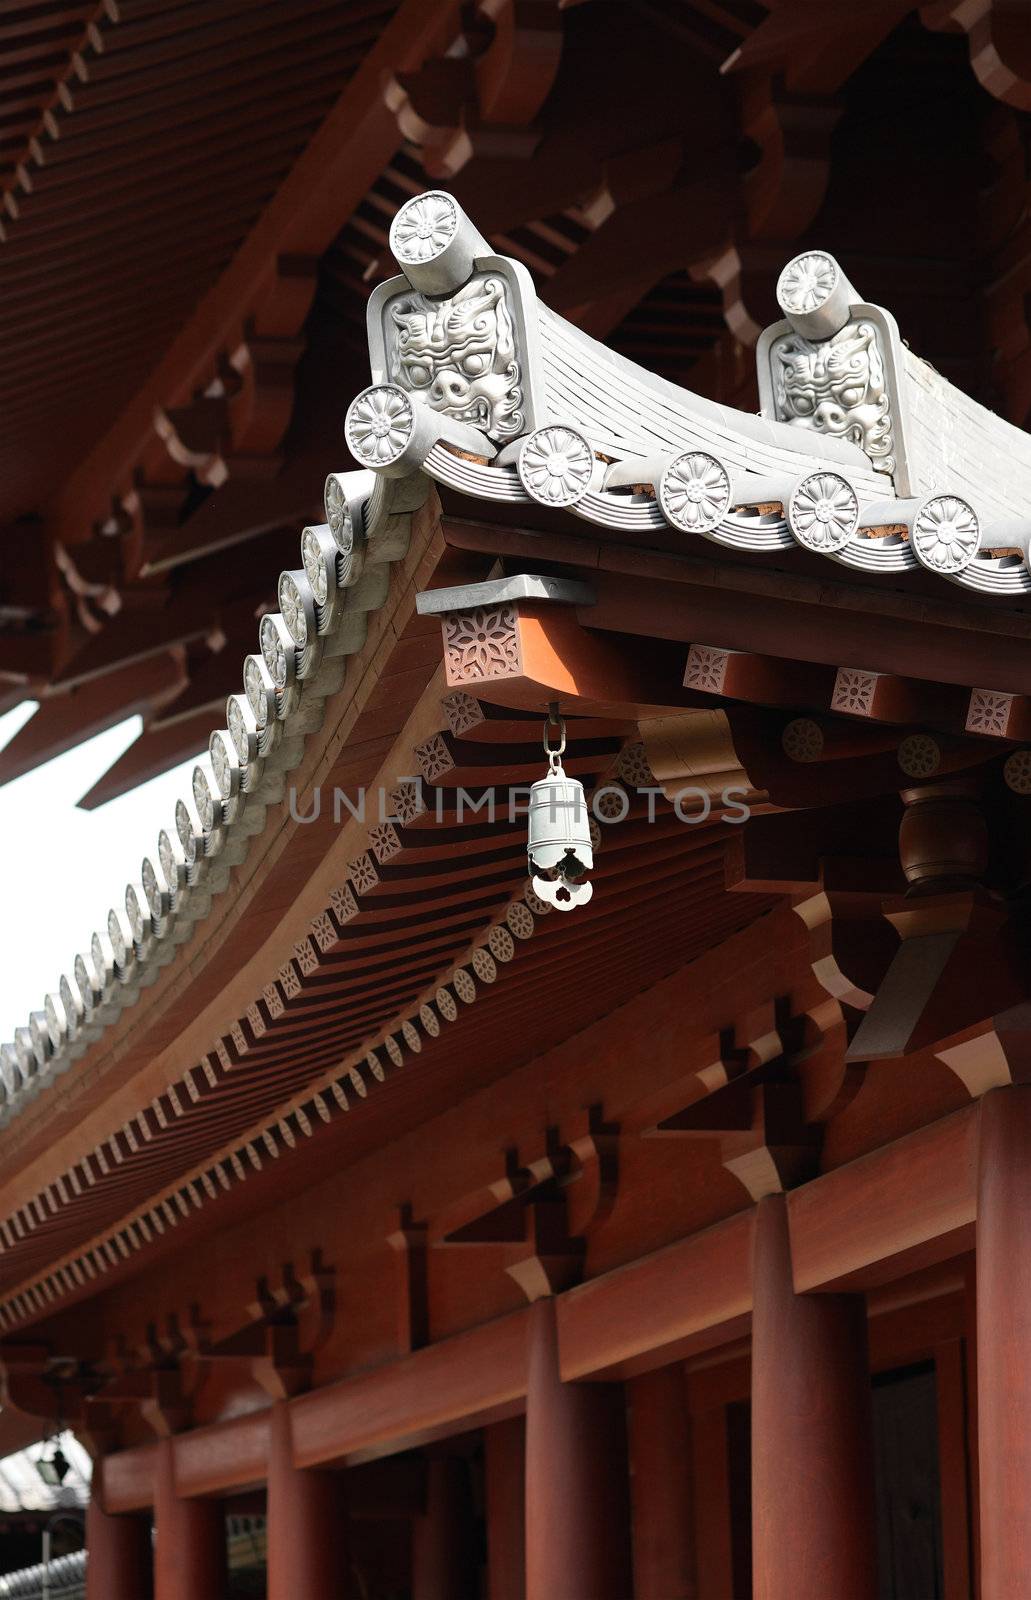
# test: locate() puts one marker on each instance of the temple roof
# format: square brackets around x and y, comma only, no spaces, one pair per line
[499,440]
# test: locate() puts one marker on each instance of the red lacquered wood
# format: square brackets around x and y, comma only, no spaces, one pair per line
[813,1531]
[1004,1343]
[443,1548]
[577,1543]
[659,1436]
[307,1526]
[505,1470]
[190,1544]
[119,1560]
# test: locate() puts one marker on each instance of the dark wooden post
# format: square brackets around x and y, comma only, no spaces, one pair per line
[661,1486]
[577,1535]
[443,1553]
[1004,1342]
[118,1563]
[813,1530]
[307,1527]
[190,1542]
[505,1473]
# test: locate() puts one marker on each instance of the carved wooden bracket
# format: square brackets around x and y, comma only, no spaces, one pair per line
[959,958]
[483,101]
[408,1241]
[526,654]
[756,1102]
[526,1214]
[1000,50]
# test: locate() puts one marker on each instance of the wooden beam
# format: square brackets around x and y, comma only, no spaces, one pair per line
[62,721]
[830,622]
[897,1209]
[893,1211]
[325,185]
[154,751]
[474,1377]
[688,1297]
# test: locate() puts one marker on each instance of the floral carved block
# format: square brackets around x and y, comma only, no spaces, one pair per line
[434,758]
[481,644]
[989,712]
[706,669]
[854,691]
[461,710]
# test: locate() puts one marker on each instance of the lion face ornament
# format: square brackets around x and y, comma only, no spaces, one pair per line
[459,356]
[837,386]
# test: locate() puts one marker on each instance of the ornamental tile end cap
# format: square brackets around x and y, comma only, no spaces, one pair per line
[815,295]
[435,244]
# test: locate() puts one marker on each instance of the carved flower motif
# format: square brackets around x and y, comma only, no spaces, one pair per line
[73,1006]
[314,565]
[134,912]
[117,937]
[255,690]
[291,604]
[168,862]
[854,691]
[823,512]
[221,765]
[184,828]
[946,534]
[1017,771]
[482,643]
[273,651]
[337,513]
[446,1004]
[424,227]
[156,897]
[465,988]
[989,712]
[802,740]
[555,466]
[236,722]
[919,755]
[56,1024]
[695,492]
[203,799]
[706,669]
[379,424]
[806,282]
[87,986]
[484,965]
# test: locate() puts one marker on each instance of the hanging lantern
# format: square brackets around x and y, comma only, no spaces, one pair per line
[559,851]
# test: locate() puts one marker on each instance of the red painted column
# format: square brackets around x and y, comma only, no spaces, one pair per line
[505,1474]
[661,1498]
[813,1531]
[443,1551]
[118,1561]
[1004,1342]
[307,1524]
[577,1533]
[190,1542]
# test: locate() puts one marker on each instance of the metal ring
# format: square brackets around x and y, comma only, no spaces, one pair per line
[555,721]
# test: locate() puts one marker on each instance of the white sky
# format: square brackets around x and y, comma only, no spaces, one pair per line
[62,868]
